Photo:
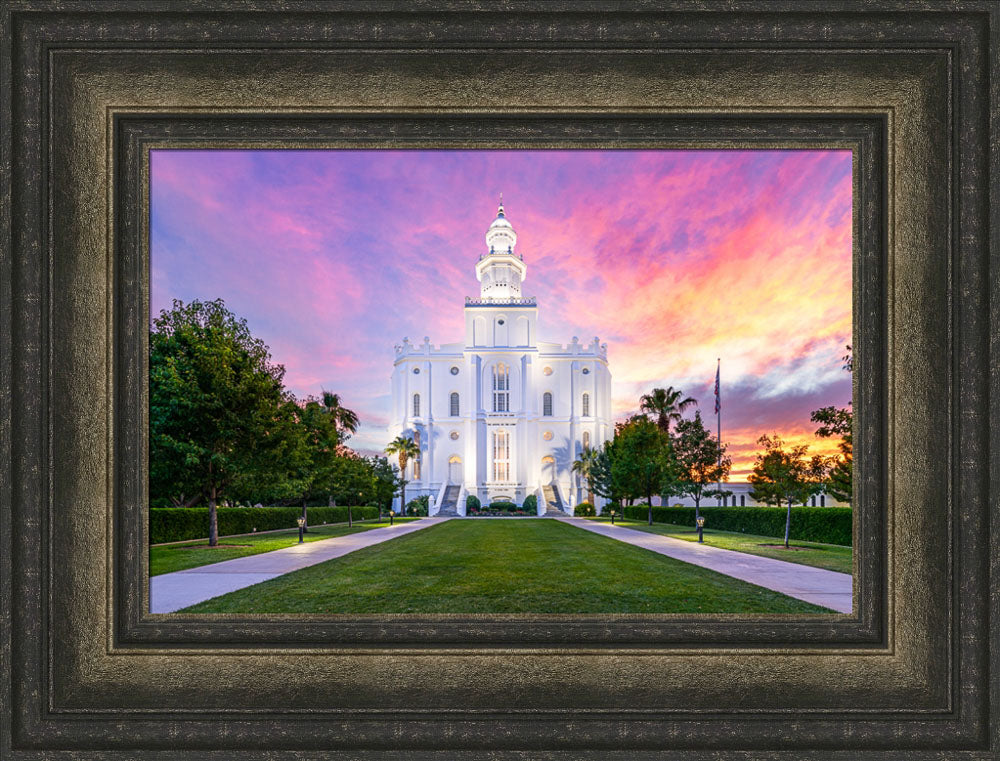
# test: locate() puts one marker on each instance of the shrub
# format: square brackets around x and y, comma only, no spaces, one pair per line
[830,525]
[503,507]
[530,504]
[585,509]
[472,503]
[419,506]
[175,524]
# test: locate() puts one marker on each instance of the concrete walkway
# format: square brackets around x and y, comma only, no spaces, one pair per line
[816,585]
[170,592]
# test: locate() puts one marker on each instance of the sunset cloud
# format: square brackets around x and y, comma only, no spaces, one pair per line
[674,258]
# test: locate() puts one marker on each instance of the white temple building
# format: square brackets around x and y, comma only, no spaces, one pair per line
[500,414]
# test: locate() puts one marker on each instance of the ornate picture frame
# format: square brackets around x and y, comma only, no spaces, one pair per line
[94,86]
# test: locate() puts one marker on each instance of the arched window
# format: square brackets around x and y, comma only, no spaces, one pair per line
[501,455]
[586,405]
[586,439]
[547,404]
[416,405]
[743,500]
[454,404]
[501,387]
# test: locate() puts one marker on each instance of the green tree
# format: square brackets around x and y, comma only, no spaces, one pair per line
[642,461]
[218,413]
[351,481]
[702,460]
[405,449]
[666,405]
[783,475]
[838,421]
[387,481]
[584,466]
[600,473]
[316,469]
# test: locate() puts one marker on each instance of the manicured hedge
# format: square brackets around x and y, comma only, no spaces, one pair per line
[175,524]
[831,525]
[584,509]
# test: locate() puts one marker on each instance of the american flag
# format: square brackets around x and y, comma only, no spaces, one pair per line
[718,399]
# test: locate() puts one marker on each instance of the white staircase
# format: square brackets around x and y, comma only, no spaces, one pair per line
[553,504]
[449,502]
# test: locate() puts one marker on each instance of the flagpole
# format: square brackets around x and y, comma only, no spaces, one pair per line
[718,417]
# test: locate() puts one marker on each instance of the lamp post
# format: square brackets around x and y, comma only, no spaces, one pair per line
[392,514]
[302,525]
[612,517]
[701,528]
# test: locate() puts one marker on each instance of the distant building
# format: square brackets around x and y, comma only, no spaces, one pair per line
[500,415]
[740,497]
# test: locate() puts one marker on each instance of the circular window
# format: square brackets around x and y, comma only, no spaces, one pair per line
[547,371]
[586,371]
[547,435]
[454,371]
[454,435]
[416,371]
[499,322]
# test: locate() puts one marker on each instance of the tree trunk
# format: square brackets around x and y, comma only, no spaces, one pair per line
[788,522]
[649,501]
[697,515]
[305,515]
[330,500]
[350,521]
[213,520]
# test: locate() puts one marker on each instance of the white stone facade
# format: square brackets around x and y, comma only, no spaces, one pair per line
[500,414]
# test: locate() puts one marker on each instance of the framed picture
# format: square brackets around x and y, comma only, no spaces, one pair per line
[263,414]
[100,93]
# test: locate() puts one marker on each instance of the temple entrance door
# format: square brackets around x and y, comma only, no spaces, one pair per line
[548,470]
[455,471]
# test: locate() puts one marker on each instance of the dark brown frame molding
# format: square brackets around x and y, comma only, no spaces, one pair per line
[911,88]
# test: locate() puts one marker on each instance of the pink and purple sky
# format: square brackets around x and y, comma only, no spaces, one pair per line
[673,258]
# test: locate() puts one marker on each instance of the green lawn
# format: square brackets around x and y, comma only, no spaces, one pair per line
[504,566]
[832,557]
[165,558]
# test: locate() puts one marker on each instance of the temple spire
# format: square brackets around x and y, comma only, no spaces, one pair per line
[500,270]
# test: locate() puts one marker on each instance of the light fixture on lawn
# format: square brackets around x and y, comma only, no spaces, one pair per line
[302,525]
[701,527]
[612,516]
[392,513]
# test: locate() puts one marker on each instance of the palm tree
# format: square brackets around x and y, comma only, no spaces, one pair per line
[405,448]
[666,404]
[584,466]
[343,418]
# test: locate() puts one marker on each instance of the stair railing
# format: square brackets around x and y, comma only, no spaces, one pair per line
[560,505]
[436,504]
[460,503]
